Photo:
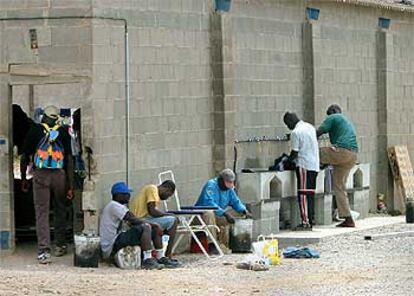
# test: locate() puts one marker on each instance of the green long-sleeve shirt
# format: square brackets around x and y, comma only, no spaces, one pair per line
[341,131]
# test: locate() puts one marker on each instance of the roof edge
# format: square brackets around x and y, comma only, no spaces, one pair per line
[393,7]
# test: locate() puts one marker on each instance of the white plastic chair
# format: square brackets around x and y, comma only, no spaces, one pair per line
[186,219]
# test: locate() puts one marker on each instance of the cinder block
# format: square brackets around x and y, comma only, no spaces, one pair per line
[323,209]
[320,182]
[89,202]
[265,227]
[287,180]
[359,202]
[362,179]
[254,187]
[294,218]
[359,176]
[264,209]
[284,213]
[91,222]
[266,217]
[60,55]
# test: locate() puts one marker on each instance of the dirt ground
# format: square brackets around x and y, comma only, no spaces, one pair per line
[349,265]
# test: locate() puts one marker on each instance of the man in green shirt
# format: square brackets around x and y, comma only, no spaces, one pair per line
[341,155]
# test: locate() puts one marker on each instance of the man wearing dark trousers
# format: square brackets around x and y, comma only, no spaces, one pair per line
[48,146]
[305,153]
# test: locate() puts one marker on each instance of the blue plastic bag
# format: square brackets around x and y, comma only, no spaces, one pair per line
[300,252]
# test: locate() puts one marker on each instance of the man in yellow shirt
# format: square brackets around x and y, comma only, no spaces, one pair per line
[146,205]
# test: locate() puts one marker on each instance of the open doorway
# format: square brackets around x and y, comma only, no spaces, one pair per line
[28,102]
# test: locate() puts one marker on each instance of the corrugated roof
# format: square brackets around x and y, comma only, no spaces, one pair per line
[398,5]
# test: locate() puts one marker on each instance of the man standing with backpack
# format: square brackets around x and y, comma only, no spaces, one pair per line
[48,146]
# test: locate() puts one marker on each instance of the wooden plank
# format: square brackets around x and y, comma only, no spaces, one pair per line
[402,170]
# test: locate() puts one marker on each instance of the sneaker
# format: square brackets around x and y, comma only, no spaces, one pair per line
[43,257]
[151,263]
[60,250]
[169,263]
[303,227]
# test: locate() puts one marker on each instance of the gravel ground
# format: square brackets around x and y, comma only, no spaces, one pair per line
[349,265]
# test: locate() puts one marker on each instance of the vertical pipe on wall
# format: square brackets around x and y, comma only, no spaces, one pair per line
[31,100]
[127,106]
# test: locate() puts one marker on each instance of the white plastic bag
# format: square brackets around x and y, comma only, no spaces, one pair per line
[128,257]
[253,262]
[354,214]
[267,249]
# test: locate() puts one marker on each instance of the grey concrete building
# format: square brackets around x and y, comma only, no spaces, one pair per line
[198,82]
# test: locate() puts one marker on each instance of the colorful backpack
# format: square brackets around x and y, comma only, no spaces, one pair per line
[50,152]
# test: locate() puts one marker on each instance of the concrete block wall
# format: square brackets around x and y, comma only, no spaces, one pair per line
[346,72]
[58,52]
[171,104]
[369,78]
[400,92]
[266,217]
[187,108]
[255,187]
[107,126]
[268,74]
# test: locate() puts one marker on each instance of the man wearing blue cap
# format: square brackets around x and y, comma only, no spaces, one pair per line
[140,233]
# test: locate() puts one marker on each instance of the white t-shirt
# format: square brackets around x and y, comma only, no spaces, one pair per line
[305,142]
[111,218]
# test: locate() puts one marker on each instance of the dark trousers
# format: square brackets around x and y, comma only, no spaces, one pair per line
[306,184]
[131,237]
[49,182]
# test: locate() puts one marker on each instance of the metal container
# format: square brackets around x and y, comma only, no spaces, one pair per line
[241,236]
[86,250]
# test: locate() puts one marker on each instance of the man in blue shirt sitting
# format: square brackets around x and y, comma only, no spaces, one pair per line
[219,192]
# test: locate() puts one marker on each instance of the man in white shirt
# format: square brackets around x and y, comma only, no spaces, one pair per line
[305,152]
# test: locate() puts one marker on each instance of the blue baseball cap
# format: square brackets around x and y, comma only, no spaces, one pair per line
[120,187]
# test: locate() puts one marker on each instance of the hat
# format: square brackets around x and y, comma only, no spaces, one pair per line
[52,112]
[228,175]
[120,187]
